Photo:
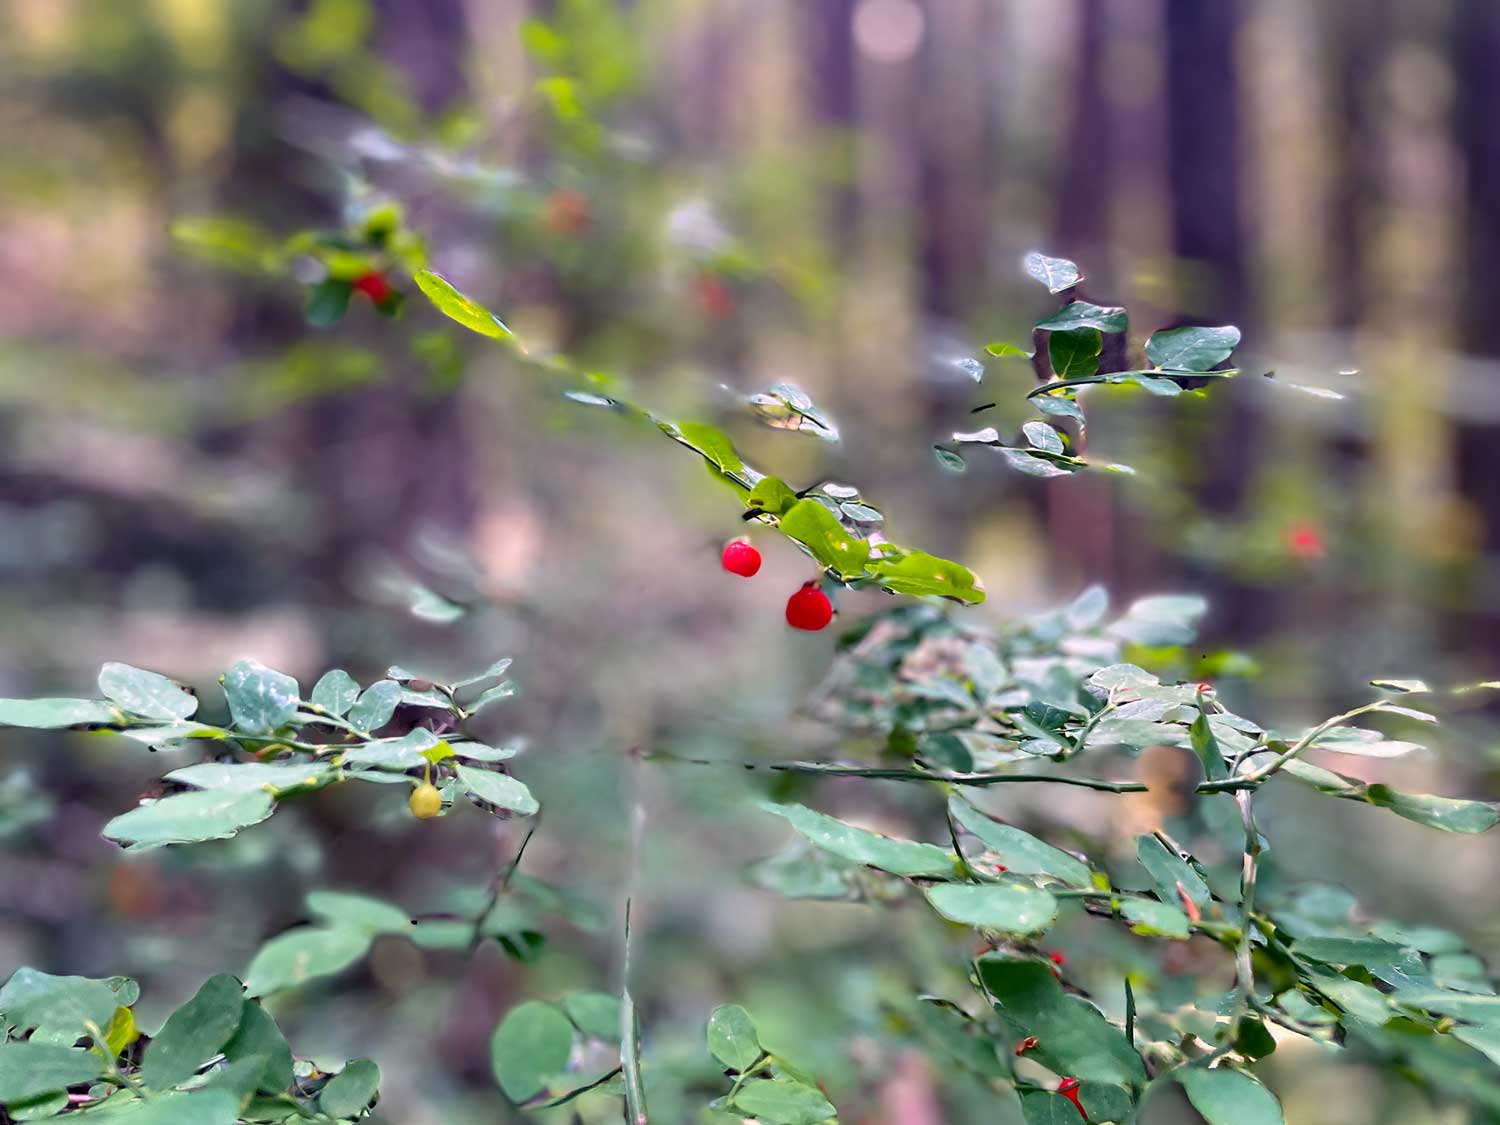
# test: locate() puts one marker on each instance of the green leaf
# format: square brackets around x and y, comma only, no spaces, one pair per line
[1043,1107]
[454,305]
[502,690]
[335,692]
[1014,908]
[594,1013]
[1020,852]
[479,752]
[350,1090]
[138,692]
[277,777]
[303,954]
[920,574]
[495,669]
[376,704]
[771,495]
[1073,1037]
[28,1070]
[1103,1102]
[55,714]
[1000,349]
[59,1010]
[1168,871]
[1056,274]
[899,857]
[1206,746]
[1192,349]
[357,912]
[497,789]
[1155,919]
[1083,314]
[711,443]
[327,302]
[732,1038]
[189,818]
[258,1037]
[1229,1097]
[194,1033]
[1401,686]
[949,460]
[1041,436]
[1061,406]
[260,698]
[1075,353]
[782,1101]
[398,754]
[1449,814]
[1034,465]
[197,1107]
[831,543]
[530,1045]
[1485,1040]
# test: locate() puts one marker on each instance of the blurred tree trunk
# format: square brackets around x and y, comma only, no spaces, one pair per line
[1204,153]
[393,461]
[1205,166]
[1082,516]
[1356,32]
[1477,47]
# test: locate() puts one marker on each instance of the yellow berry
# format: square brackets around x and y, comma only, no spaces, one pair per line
[426,802]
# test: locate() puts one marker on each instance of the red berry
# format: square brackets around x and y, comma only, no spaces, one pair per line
[566,211]
[715,298]
[1205,688]
[1305,541]
[1068,1088]
[1001,868]
[374,286]
[809,608]
[741,558]
[1057,958]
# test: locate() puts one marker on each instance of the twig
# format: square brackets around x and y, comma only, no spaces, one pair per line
[500,884]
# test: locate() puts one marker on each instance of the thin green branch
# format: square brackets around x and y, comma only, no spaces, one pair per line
[1256,776]
[885,773]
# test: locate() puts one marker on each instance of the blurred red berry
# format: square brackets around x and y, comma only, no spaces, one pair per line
[1068,1088]
[1001,868]
[1056,958]
[374,286]
[809,608]
[566,211]
[741,558]
[715,298]
[1305,541]
[1205,688]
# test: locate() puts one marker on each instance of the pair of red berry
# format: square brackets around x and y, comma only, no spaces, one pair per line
[809,608]
[374,286]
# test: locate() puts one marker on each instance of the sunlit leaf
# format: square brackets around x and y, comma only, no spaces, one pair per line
[1056,274]
[1016,908]
[455,305]
[1084,314]
[190,818]
[148,694]
[1192,349]
[786,406]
